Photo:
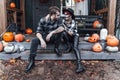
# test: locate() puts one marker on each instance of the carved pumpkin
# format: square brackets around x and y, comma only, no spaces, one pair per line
[97,24]
[97,47]
[1,46]
[12,5]
[19,37]
[112,41]
[93,39]
[8,37]
[29,31]
[96,36]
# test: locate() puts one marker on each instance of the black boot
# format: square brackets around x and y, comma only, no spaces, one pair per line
[57,51]
[68,47]
[80,67]
[31,63]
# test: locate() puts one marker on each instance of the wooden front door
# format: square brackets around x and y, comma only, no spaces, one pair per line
[40,9]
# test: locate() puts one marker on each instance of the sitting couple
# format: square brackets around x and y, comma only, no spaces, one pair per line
[52,28]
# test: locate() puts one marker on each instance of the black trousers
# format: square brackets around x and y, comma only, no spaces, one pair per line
[55,39]
[74,41]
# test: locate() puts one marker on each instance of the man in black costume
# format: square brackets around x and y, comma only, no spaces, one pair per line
[49,29]
[71,37]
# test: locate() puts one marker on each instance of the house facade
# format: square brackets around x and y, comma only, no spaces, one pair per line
[28,12]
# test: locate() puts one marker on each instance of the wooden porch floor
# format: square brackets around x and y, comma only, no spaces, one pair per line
[84,47]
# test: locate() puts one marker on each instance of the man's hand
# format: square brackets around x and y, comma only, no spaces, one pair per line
[43,44]
[49,36]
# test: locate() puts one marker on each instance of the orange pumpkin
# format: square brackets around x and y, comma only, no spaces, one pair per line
[29,31]
[96,23]
[1,46]
[27,40]
[112,41]
[19,37]
[92,39]
[96,35]
[97,47]
[12,5]
[8,37]
[109,37]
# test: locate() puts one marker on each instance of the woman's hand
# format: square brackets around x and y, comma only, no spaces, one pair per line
[70,33]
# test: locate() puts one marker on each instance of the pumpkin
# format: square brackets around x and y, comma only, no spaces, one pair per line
[1,46]
[112,41]
[97,47]
[12,5]
[97,24]
[27,40]
[28,31]
[19,37]
[93,39]
[4,43]
[11,48]
[112,49]
[96,36]
[109,37]
[8,36]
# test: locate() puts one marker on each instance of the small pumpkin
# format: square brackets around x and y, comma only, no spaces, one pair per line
[8,36]
[112,49]
[93,39]
[19,37]
[97,24]
[112,41]
[97,47]
[1,46]
[29,31]
[96,36]
[27,40]
[11,48]
[12,5]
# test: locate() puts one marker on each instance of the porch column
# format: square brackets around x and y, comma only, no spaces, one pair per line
[111,16]
[3,18]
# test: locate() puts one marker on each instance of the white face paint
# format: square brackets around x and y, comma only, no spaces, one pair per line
[67,16]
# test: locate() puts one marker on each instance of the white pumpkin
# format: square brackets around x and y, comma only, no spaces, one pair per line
[112,49]
[11,48]
[21,48]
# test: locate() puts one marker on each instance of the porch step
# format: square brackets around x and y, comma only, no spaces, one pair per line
[85,55]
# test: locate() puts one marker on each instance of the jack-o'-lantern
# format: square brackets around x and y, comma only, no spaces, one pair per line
[8,37]
[96,36]
[12,5]
[28,31]
[19,37]
[93,39]
[97,47]
[1,46]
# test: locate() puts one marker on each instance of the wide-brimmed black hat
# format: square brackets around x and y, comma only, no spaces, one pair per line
[70,11]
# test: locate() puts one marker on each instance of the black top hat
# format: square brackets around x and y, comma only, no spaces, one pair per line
[70,11]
